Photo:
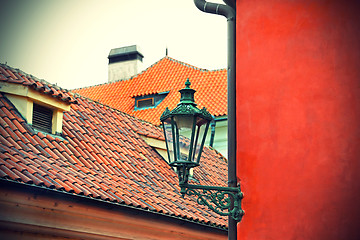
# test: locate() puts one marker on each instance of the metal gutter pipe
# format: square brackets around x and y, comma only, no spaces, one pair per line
[228,11]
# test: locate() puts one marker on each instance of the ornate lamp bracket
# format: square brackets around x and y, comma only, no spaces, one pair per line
[218,199]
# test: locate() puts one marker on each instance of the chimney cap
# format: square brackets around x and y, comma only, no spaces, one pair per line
[125,51]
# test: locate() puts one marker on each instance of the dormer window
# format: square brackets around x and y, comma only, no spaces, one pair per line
[145,103]
[149,101]
[42,118]
[43,112]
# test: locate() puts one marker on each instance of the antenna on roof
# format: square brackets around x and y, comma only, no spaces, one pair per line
[166,53]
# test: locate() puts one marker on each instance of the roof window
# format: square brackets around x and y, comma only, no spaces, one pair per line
[149,101]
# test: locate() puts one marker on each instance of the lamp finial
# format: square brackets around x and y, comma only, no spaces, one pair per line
[187,94]
[187,83]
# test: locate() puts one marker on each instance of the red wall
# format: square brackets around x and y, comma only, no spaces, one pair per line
[298,118]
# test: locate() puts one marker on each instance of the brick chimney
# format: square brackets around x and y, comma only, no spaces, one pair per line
[124,62]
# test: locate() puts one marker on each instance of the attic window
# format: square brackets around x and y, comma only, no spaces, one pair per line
[43,112]
[42,118]
[145,103]
[149,101]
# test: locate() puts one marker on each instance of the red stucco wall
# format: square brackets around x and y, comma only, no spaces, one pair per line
[298,119]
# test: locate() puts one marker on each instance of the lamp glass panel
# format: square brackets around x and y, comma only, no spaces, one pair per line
[169,138]
[200,134]
[184,125]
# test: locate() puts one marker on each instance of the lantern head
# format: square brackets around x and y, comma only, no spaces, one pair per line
[185,129]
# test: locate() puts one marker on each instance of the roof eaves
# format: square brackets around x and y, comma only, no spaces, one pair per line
[105,202]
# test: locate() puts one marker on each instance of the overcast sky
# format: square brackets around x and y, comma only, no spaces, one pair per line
[67,41]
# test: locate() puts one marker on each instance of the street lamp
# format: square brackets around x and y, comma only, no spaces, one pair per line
[185,129]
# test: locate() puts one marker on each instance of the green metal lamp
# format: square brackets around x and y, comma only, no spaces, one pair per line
[185,128]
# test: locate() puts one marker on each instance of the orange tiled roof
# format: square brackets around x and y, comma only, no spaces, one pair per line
[167,74]
[100,155]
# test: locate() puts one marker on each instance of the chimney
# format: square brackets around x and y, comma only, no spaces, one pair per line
[124,63]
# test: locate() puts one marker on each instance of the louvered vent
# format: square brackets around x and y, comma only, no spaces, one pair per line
[42,118]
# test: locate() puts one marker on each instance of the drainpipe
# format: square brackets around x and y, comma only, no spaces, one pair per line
[231,3]
[229,12]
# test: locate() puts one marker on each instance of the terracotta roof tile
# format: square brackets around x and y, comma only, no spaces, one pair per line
[101,155]
[165,75]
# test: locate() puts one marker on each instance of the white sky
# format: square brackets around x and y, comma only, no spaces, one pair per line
[67,41]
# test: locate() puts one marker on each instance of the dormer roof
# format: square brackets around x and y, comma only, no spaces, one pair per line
[16,76]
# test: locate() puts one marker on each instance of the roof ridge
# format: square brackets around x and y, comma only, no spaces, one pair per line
[152,65]
[187,65]
[194,67]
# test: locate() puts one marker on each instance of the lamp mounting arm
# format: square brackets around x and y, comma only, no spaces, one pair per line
[218,199]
